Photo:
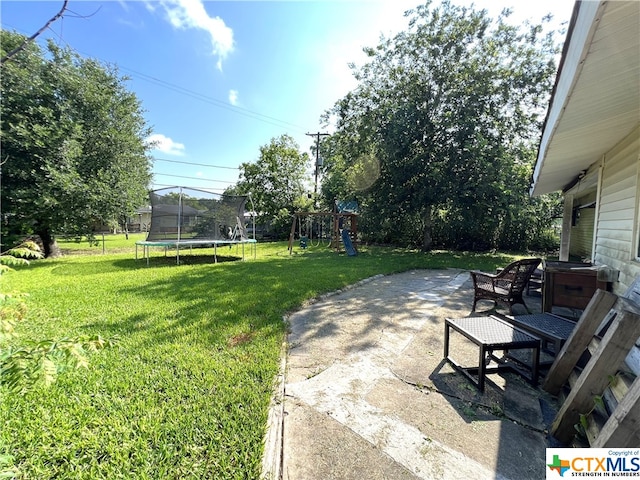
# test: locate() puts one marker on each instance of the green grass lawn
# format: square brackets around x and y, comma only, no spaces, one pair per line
[185,393]
[105,244]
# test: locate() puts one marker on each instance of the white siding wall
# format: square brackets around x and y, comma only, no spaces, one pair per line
[617,223]
[619,219]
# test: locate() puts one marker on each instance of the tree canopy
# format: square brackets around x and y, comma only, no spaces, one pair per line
[276,182]
[73,143]
[438,139]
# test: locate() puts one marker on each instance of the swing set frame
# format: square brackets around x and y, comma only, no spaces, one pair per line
[339,221]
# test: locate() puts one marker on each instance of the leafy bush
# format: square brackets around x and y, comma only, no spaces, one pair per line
[24,366]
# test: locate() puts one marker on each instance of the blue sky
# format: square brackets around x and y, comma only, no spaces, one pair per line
[219,79]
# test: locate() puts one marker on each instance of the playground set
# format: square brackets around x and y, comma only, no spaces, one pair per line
[340,227]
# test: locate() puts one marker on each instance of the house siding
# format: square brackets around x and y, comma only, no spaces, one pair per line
[617,222]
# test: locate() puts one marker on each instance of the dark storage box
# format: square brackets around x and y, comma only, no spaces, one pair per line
[572,284]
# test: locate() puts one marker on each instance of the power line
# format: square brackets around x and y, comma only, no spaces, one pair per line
[214,190]
[214,101]
[33,37]
[194,178]
[184,91]
[193,163]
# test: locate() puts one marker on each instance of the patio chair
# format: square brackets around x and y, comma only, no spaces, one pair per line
[505,287]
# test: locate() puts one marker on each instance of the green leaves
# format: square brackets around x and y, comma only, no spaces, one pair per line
[451,108]
[19,255]
[39,363]
[276,180]
[74,151]
[32,363]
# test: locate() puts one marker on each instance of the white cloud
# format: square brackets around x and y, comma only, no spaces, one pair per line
[192,14]
[233,97]
[165,145]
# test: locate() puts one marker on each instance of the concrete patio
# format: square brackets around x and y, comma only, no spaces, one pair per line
[367,393]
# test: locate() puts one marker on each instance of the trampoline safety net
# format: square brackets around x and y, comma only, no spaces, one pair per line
[184,214]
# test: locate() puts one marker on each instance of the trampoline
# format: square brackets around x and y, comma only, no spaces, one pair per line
[185,217]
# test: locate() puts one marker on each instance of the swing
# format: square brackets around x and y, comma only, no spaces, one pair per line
[304,239]
[319,231]
[326,223]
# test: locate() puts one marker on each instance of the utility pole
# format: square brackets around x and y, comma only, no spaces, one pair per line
[315,188]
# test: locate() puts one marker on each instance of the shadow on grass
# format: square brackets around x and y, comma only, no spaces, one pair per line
[184,260]
[210,303]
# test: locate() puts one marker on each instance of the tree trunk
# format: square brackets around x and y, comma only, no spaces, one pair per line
[125,229]
[427,240]
[49,244]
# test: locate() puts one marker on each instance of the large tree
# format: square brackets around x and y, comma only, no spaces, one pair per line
[448,114]
[276,181]
[73,144]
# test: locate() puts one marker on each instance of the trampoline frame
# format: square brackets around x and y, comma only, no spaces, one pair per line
[191,243]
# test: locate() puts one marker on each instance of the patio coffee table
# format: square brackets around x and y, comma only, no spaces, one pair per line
[490,334]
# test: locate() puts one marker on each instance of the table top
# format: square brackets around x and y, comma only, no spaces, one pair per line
[492,331]
[551,325]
